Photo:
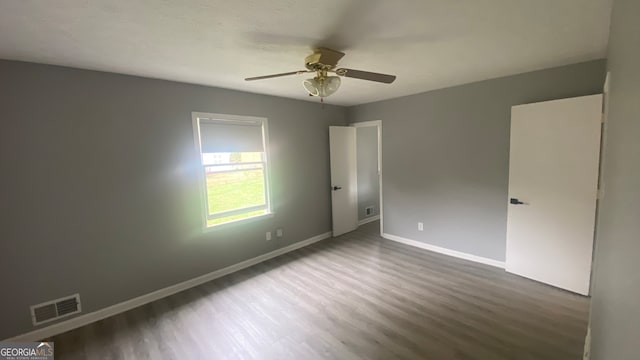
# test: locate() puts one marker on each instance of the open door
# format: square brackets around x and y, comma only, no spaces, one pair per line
[553,185]
[344,191]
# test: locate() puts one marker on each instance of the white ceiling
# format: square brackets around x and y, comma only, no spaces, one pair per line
[428,44]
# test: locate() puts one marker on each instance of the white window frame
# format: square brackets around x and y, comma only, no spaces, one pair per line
[196,118]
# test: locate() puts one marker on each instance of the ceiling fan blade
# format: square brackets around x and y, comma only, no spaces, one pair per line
[366,75]
[277,75]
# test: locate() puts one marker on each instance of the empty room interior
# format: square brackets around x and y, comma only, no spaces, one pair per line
[341,179]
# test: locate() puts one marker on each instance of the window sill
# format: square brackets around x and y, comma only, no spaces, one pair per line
[236,223]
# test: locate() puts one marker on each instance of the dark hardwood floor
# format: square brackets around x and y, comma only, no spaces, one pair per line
[357,296]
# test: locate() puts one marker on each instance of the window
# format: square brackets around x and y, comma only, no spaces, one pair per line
[233,159]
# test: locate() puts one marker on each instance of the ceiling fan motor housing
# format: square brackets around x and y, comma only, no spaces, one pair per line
[322,58]
[312,61]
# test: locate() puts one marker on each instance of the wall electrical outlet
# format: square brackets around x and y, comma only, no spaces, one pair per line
[268,235]
[420,226]
[279,232]
[368,211]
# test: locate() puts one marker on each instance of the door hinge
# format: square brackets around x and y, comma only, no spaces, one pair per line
[602,118]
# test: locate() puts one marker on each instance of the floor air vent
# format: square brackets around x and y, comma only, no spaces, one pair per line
[56,309]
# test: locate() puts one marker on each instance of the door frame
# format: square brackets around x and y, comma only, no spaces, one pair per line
[378,125]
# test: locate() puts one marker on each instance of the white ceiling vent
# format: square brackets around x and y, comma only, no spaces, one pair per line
[55,309]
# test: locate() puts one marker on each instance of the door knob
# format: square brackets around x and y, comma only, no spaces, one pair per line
[515,201]
[335,188]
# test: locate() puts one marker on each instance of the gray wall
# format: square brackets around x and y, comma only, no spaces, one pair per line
[446,155]
[100,193]
[616,290]
[368,182]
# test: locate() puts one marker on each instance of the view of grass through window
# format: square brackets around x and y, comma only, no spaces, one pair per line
[235,181]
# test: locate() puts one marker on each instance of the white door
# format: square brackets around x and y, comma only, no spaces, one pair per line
[344,191]
[553,185]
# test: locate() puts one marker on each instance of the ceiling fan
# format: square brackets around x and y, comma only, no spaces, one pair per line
[324,61]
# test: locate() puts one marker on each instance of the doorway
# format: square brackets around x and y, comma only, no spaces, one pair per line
[369,171]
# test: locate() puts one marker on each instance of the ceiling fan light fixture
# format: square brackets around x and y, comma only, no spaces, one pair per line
[330,85]
[322,87]
[312,86]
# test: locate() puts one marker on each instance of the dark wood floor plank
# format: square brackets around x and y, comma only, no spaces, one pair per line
[356,296]
[446,302]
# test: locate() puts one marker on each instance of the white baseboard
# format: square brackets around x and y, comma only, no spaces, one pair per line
[89,318]
[368,220]
[441,250]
